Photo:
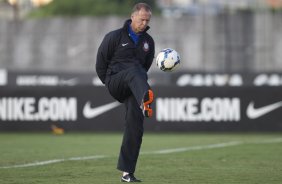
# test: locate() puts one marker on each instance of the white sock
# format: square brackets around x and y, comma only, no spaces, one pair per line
[125,173]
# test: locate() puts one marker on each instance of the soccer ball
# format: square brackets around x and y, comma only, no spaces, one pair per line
[168,60]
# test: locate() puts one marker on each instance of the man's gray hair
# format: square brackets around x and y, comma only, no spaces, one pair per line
[140,6]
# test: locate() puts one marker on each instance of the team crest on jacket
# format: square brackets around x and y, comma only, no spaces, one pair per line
[145,46]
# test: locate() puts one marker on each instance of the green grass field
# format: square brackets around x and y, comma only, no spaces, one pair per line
[90,158]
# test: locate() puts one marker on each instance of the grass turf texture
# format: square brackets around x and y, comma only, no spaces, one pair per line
[253,160]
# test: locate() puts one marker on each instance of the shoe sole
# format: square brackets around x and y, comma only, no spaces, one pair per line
[137,181]
[147,110]
[130,181]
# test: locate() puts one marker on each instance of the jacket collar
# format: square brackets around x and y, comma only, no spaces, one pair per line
[128,21]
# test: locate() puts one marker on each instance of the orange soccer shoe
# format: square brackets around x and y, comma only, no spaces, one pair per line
[147,101]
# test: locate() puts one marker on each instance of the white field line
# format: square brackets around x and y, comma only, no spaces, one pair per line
[53,161]
[269,141]
[192,148]
[164,151]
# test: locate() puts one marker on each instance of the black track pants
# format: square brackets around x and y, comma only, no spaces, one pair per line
[129,86]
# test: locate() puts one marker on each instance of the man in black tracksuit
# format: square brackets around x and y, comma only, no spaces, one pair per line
[123,60]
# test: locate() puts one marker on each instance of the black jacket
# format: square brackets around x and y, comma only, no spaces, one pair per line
[118,52]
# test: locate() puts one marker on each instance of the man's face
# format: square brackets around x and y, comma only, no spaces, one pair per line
[140,20]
